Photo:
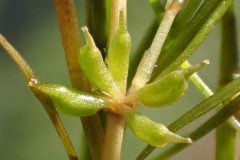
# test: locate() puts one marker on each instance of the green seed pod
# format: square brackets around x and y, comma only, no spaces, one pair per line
[70,101]
[150,132]
[167,89]
[118,54]
[93,66]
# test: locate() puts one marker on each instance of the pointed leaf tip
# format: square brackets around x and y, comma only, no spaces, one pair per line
[122,20]
[192,69]
[153,133]
[89,40]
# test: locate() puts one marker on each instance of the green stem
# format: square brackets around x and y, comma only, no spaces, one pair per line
[144,44]
[70,34]
[226,134]
[114,137]
[198,82]
[115,123]
[45,101]
[150,57]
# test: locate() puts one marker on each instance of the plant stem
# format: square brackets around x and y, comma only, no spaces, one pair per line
[114,137]
[146,66]
[198,82]
[176,43]
[114,16]
[69,29]
[115,123]
[226,134]
[16,57]
[45,101]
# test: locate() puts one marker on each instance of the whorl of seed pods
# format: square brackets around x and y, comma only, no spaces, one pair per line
[155,134]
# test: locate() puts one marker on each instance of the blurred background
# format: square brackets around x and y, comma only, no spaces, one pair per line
[26,132]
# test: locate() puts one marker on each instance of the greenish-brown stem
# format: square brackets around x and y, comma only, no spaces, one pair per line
[45,101]
[115,123]
[113,137]
[70,34]
[18,60]
[226,135]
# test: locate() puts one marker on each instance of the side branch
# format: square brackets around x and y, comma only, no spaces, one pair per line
[45,101]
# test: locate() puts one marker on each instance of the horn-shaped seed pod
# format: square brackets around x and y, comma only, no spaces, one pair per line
[70,101]
[118,54]
[93,66]
[153,133]
[167,89]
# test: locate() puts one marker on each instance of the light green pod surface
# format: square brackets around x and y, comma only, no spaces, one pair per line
[151,132]
[93,66]
[164,91]
[70,101]
[118,54]
[168,89]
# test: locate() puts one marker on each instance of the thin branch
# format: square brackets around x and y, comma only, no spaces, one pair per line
[114,136]
[146,66]
[69,29]
[46,102]
[16,57]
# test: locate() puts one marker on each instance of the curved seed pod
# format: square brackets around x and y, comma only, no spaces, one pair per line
[166,90]
[155,134]
[93,66]
[118,54]
[70,101]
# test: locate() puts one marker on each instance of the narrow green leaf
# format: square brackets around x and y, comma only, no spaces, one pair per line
[176,43]
[151,132]
[214,101]
[183,18]
[70,101]
[91,62]
[200,36]
[208,104]
[118,53]
[208,126]
[157,7]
